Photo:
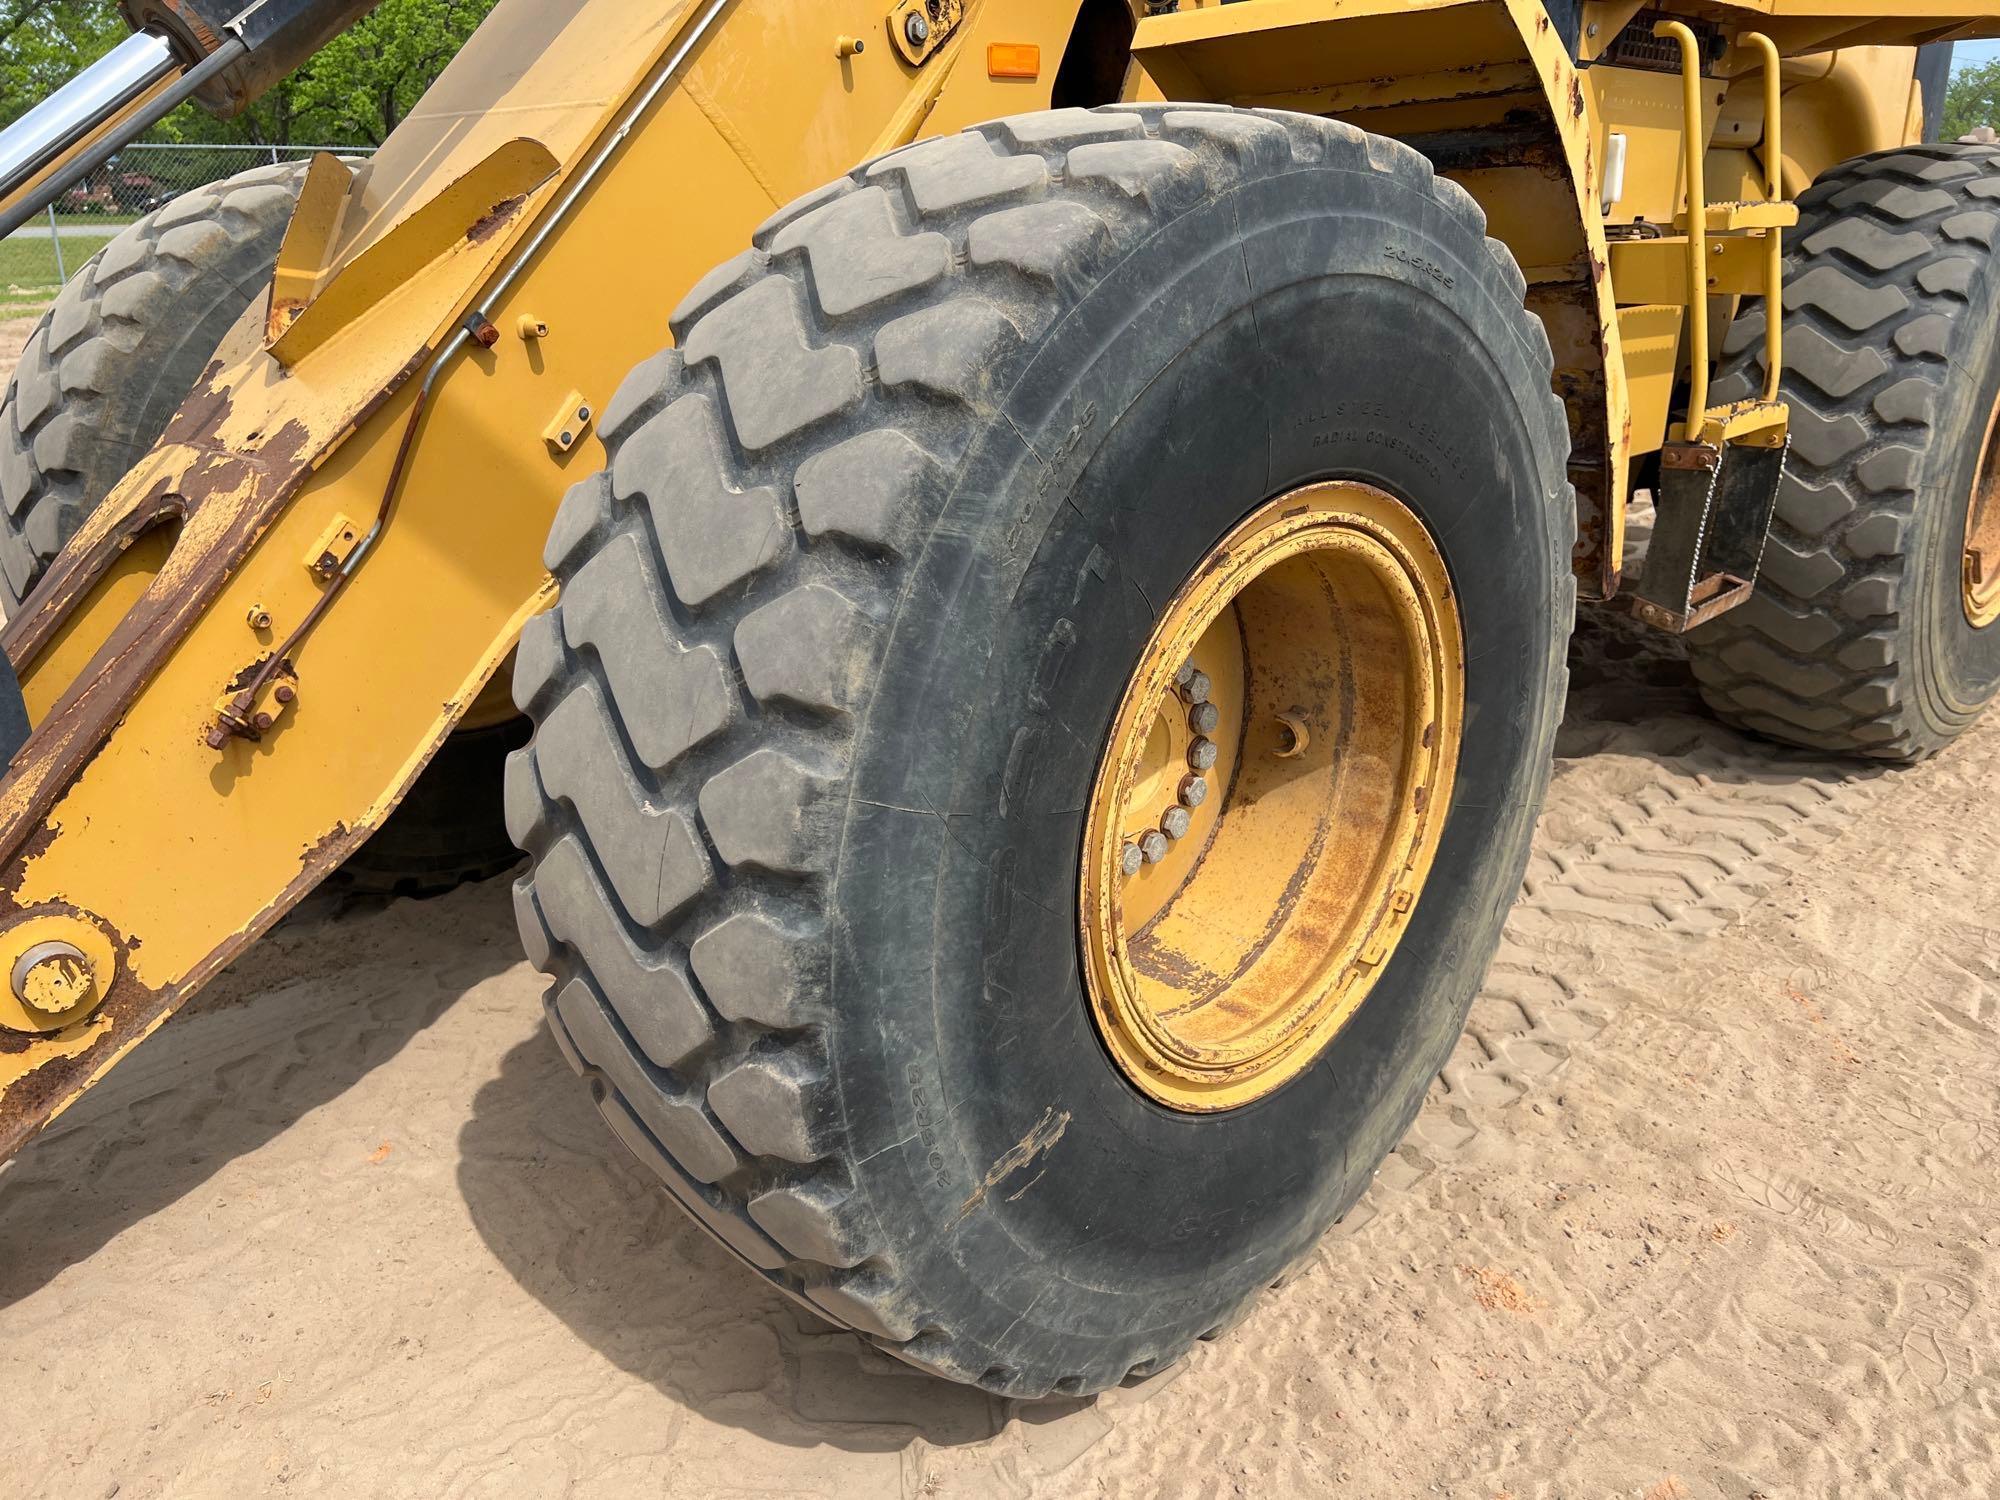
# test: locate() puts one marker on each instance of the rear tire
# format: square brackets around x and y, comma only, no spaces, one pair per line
[841,635]
[116,355]
[1857,639]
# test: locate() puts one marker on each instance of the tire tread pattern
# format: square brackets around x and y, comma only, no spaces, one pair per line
[1889,249]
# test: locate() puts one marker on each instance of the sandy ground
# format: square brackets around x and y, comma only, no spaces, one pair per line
[1703,1206]
[14,336]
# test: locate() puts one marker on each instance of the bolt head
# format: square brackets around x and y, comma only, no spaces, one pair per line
[1194,791]
[1203,718]
[917,29]
[1199,686]
[1175,824]
[1202,755]
[285,693]
[1153,844]
[1185,675]
[1130,859]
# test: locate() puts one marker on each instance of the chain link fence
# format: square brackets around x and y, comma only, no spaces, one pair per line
[38,258]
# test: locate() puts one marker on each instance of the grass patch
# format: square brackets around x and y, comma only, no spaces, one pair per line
[28,267]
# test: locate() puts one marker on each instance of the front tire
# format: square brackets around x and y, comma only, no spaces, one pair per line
[842,632]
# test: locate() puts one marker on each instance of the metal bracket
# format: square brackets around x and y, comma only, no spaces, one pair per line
[571,421]
[335,545]
[920,27]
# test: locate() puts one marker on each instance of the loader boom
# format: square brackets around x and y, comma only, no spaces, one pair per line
[242,661]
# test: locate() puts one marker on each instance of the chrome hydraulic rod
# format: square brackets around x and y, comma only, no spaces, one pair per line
[80,166]
[122,76]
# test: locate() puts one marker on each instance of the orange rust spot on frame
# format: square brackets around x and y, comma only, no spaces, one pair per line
[491,222]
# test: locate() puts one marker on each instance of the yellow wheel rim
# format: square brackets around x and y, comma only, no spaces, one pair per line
[1271,796]
[1982,535]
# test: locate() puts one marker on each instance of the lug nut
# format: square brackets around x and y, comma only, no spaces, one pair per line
[1194,791]
[1153,844]
[1185,675]
[1202,755]
[917,29]
[1130,858]
[1204,717]
[1198,687]
[1175,824]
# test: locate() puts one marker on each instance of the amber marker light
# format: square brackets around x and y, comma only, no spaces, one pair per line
[1013,60]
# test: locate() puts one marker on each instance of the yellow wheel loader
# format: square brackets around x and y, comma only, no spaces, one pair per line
[1035,543]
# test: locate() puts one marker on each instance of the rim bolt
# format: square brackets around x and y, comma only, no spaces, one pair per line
[1194,791]
[1185,675]
[1153,844]
[1202,755]
[1175,824]
[1130,858]
[1204,717]
[1198,687]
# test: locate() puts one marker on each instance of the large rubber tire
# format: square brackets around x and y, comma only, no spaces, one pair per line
[1856,640]
[842,631]
[96,386]
[118,352]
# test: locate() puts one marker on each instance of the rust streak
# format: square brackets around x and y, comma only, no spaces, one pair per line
[491,222]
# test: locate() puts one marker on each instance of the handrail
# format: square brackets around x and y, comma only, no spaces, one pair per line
[1694,147]
[1774,239]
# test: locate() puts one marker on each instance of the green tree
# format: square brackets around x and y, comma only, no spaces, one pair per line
[1971,99]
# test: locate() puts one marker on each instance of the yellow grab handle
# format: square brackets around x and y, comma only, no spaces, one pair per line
[1694,146]
[1774,237]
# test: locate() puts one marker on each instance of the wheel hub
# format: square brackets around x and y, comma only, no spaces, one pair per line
[1271,796]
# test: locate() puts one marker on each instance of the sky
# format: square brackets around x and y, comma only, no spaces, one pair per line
[1971,54]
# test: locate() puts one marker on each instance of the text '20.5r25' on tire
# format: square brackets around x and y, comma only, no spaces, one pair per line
[843,633]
